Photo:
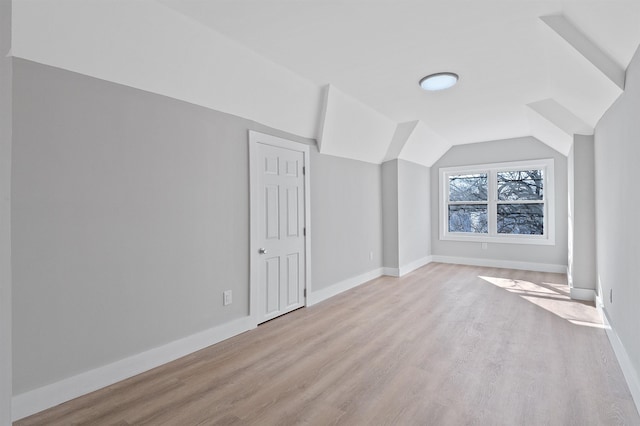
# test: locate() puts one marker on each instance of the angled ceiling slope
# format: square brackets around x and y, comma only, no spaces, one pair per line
[352,129]
[600,77]
[508,55]
[269,60]
[587,48]
[148,46]
[416,142]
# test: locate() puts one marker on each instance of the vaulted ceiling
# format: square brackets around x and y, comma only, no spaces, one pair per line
[542,68]
[346,72]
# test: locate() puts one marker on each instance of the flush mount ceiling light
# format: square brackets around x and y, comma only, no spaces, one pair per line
[439,81]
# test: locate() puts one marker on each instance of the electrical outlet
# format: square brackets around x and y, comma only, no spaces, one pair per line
[226,298]
[485,246]
[370,255]
[610,295]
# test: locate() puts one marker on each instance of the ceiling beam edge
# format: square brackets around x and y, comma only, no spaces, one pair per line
[561,117]
[324,105]
[400,137]
[548,132]
[587,48]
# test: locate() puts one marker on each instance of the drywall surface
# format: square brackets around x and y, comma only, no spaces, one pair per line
[423,145]
[146,45]
[346,219]
[351,129]
[527,148]
[391,256]
[6,78]
[617,152]
[130,219]
[413,210]
[582,214]
[133,217]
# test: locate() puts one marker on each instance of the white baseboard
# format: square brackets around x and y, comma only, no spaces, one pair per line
[629,372]
[391,272]
[585,294]
[599,298]
[508,264]
[578,293]
[337,288]
[48,396]
[410,267]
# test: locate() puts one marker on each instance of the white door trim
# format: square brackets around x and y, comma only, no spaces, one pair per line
[256,138]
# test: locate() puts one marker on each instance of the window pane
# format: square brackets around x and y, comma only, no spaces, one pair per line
[468,187]
[523,219]
[520,185]
[468,218]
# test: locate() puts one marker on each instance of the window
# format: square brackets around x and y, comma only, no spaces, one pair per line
[506,202]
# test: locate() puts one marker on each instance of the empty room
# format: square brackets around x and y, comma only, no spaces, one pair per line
[275,212]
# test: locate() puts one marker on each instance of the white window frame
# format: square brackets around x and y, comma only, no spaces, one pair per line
[492,236]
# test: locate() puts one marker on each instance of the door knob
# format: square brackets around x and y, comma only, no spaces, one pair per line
[262,251]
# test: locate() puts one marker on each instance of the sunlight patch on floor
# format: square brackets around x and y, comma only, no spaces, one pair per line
[553,298]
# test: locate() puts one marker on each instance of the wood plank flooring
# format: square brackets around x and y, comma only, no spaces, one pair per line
[444,345]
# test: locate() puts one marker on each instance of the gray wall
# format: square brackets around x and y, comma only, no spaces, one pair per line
[582,214]
[131,217]
[391,254]
[346,219]
[617,160]
[405,213]
[5,211]
[414,223]
[526,148]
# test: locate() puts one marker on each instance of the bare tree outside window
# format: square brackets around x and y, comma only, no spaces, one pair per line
[468,187]
[520,207]
[468,218]
[505,202]
[468,208]
[520,185]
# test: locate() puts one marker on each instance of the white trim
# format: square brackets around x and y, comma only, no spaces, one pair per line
[585,294]
[412,266]
[492,202]
[342,286]
[508,264]
[503,239]
[391,272]
[48,396]
[629,372]
[599,299]
[578,293]
[254,139]
[409,267]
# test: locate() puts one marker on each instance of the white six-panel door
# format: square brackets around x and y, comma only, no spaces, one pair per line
[279,257]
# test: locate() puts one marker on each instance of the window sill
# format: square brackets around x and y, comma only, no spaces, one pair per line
[503,239]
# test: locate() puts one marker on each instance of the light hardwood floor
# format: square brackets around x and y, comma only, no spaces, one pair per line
[444,345]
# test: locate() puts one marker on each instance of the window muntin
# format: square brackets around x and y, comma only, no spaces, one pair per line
[505,202]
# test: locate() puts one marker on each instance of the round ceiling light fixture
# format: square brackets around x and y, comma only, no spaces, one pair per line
[439,81]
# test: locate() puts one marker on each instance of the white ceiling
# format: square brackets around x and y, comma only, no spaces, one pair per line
[346,72]
[376,51]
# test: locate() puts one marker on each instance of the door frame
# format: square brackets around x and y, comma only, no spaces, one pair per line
[256,138]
